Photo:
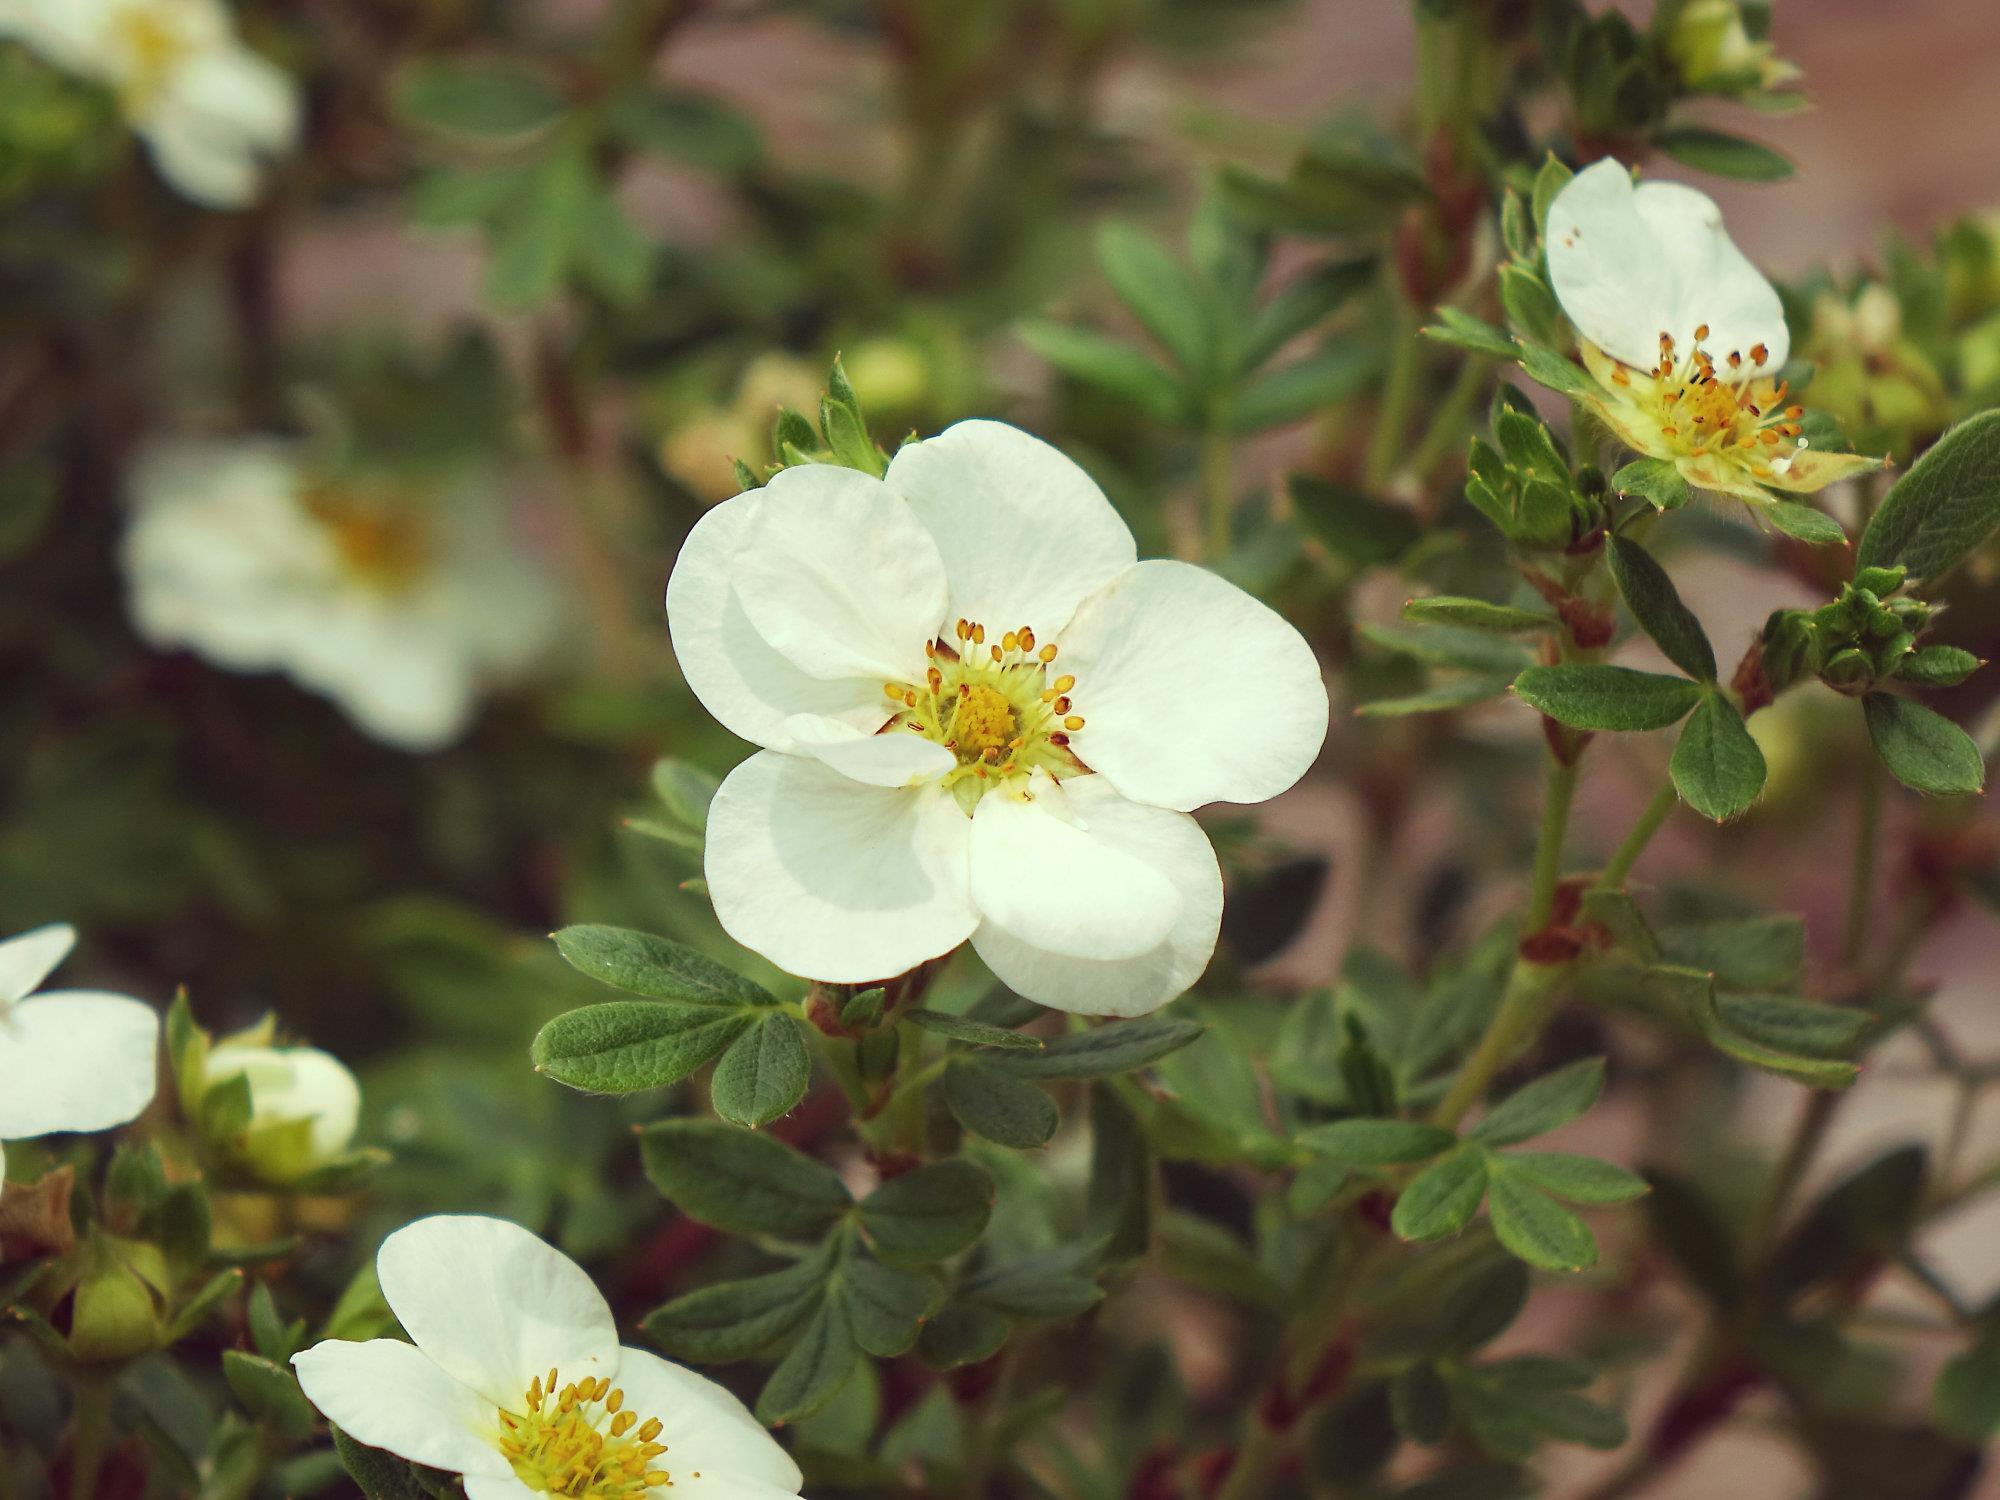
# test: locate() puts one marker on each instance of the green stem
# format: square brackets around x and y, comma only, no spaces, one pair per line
[1218,491]
[90,1431]
[1450,421]
[1861,880]
[1619,867]
[1524,1010]
[1561,791]
[1392,420]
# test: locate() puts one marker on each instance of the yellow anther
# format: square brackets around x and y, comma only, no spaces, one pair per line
[1010,640]
[1064,683]
[616,1400]
[650,1431]
[1047,653]
[1073,723]
[1701,333]
[535,1394]
[978,635]
[1027,637]
[623,1423]
[893,689]
[998,654]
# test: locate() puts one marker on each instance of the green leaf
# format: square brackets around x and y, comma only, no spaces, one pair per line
[739,1181]
[1439,699]
[1377,1143]
[963,1333]
[734,1320]
[813,1369]
[535,240]
[1420,1403]
[1580,1179]
[1966,1399]
[1104,1051]
[270,1393]
[1477,614]
[1445,646]
[1530,304]
[1046,1284]
[1295,391]
[1537,1108]
[1802,522]
[1857,1224]
[381,1475]
[1158,290]
[1550,179]
[1654,480]
[1615,698]
[1355,527]
[1441,1199]
[687,126]
[1109,365]
[1556,371]
[1799,1028]
[1304,301]
[1937,666]
[656,966]
[1943,507]
[978,1033]
[625,1045]
[1464,331]
[886,1305]
[1533,1225]
[1482,1307]
[483,99]
[991,1102]
[1923,750]
[1716,766]
[1696,992]
[1722,154]
[1744,953]
[929,1214]
[764,1073]
[1656,604]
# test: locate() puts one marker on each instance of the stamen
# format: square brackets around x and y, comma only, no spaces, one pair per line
[585,1446]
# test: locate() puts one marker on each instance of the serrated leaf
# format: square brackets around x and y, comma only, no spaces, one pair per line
[1716,766]
[929,1214]
[1533,1225]
[764,1073]
[1541,1106]
[1923,750]
[656,966]
[1943,507]
[977,1033]
[1656,604]
[1610,698]
[1441,1199]
[996,1105]
[740,1181]
[1104,1051]
[625,1045]
[1377,1143]
[1580,1179]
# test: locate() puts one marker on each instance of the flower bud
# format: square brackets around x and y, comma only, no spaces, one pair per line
[288,1112]
[1849,671]
[1712,49]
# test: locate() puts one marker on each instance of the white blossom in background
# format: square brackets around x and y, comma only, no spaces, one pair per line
[304,1105]
[70,1060]
[211,111]
[1683,336]
[982,718]
[397,606]
[516,1381]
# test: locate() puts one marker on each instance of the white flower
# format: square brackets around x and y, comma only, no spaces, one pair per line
[70,1060]
[396,607]
[304,1105]
[211,110]
[516,1381]
[982,718]
[1683,336]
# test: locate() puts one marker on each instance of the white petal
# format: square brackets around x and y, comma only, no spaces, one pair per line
[1056,886]
[739,677]
[707,1432]
[204,165]
[838,575]
[1191,691]
[1629,263]
[27,960]
[498,1487]
[399,674]
[1171,843]
[834,880]
[494,1306]
[241,94]
[895,757]
[386,1394]
[295,1083]
[1025,533]
[76,1060]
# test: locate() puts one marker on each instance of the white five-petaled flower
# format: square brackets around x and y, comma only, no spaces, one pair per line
[70,1060]
[1683,336]
[982,718]
[517,1382]
[211,110]
[397,605]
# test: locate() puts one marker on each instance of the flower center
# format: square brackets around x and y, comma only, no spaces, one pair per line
[994,706]
[1703,410]
[151,45]
[382,543]
[580,1442]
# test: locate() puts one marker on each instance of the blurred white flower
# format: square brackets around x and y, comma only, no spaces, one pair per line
[982,718]
[396,606]
[304,1105]
[70,1060]
[517,1383]
[211,110]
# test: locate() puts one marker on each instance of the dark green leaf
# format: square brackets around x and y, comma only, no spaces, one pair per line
[1541,1106]
[1580,1179]
[1923,750]
[963,1333]
[1655,480]
[1966,1399]
[1937,666]
[1443,1197]
[1104,1051]
[1420,1403]
[1800,1028]
[1716,765]
[1158,290]
[813,1369]
[739,1181]
[1482,1307]
[1377,1143]
[1533,1225]
[1111,366]
[1356,528]
[886,1305]
[1860,1221]
[1464,331]
[978,1033]
[1295,391]
[1656,604]
[1814,527]
[930,1214]
[624,1045]
[687,126]
[656,966]
[484,99]
[1946,505]
[1303,303]
[764,1073]
[383,1476]
[1744,953]
[1598,697]
[991,1102]
[734,1320]
[1477,614]
[1722,154]
[270,1393]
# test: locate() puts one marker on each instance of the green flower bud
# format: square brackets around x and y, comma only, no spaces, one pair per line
[1712,49]
[1848,671]
[291,1111]
[121,1296]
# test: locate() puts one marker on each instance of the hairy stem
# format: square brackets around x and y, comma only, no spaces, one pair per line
[1218,489]
[1556,800]
[1618,869]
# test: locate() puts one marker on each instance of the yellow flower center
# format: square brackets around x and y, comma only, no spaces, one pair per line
[151,44]
[994,705]
[381,539]
[1700,409]
[579,1441]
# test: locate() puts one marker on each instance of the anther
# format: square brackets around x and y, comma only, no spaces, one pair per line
[1701,332]
[1011,640]
[978,635]
[1048,653]
[1758,354]
[1065,682]
[964,630]
[1073,722]
[1062,705]
[1058,738]
[893,689]
[998,654]
[650,1431]
[1027,639]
